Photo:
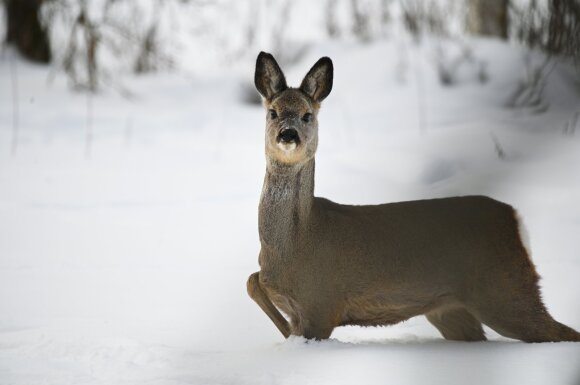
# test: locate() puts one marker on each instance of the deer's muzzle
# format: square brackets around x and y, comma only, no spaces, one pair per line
[288,136]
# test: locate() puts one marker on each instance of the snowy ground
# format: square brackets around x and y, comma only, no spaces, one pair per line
[129,266]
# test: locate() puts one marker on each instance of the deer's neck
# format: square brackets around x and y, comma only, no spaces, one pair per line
[285,205]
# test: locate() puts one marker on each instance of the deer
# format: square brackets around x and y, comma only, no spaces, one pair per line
[460,261]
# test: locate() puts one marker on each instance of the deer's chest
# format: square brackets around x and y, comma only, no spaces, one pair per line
[291,279]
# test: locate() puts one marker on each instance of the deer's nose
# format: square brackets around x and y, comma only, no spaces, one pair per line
[288,136]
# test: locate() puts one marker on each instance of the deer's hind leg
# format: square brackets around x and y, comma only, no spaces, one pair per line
[525,319]
[508,299]
[514,309]
[258,294]
[456,324]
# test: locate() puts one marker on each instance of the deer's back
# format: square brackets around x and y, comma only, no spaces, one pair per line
[447,242]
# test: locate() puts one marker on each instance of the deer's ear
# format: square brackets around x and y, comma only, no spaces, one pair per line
[269,79]
[318,81]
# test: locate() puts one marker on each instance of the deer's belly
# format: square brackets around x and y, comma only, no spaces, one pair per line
[375,310]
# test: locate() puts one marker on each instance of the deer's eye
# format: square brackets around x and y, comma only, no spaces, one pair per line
[273,114]
[307,117]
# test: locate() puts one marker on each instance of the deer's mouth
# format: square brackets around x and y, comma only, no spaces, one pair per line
[288,139]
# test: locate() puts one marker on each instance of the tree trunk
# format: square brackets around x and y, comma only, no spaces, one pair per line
[24,30]
[564,28]
[488,18]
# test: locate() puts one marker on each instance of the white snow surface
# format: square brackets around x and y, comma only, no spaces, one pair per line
[129,266]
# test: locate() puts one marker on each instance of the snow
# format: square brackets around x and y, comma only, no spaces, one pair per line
[127,263]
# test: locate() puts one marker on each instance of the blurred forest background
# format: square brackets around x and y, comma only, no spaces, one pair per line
[97,42]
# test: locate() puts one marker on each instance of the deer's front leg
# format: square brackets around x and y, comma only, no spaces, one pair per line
[258,294]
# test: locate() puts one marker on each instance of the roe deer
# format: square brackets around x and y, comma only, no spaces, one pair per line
[460,261]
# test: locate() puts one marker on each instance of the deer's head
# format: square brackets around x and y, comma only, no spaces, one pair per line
[292,113]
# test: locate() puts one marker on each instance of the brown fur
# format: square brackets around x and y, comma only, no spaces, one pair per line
[459,261]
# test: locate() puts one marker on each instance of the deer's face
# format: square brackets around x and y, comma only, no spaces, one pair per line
[291,113]
[291,127]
